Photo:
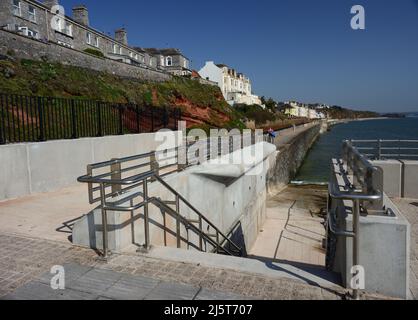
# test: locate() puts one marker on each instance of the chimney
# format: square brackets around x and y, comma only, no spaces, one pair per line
[122,36]
[81,15]
[51,3]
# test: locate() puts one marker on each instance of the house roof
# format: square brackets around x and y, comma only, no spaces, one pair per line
[164,52]
[195,74]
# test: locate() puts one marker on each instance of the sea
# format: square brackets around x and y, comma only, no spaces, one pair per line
[316,167]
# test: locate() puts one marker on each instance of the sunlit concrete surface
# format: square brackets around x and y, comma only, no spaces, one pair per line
[409,208]
[45,215]
[293,230]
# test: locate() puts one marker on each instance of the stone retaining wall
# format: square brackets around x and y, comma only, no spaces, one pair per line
[24,48]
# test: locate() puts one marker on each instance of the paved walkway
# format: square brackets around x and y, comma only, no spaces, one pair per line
[45,215]
[293,230]
[87,283]
[24,263]
[409,208]
[286,135]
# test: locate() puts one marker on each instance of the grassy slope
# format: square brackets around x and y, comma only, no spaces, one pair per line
[202,105]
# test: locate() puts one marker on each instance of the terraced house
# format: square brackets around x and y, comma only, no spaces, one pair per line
[47,21]
[235,86]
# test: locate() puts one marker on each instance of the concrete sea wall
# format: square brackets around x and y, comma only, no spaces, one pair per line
[290,157]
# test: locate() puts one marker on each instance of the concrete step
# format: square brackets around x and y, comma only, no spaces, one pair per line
[307,274]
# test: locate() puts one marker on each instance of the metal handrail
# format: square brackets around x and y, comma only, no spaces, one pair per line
[187,203]
[350,195]
[363,172]
[381,146]
[142,179]
[334,229]
[225,144]
[214,243]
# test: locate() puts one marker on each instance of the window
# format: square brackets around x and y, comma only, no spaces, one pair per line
[32,14]
[115,49]
[120,50]
[97,42]
[69,29]
[28,32]
[169,61]
[58,24]
[136,56]
[33,34]
[131,54]
[16,8]
[88,38]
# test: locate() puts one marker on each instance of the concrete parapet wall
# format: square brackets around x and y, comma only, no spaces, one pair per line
[392,176]
[410,179]
[400,178]
[49,166]
[290,158]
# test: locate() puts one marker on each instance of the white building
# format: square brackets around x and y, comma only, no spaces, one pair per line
[302,110]
[236,87]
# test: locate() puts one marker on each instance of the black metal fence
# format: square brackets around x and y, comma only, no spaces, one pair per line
[32,119]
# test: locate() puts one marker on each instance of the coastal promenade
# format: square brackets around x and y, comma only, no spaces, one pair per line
[35,235]
[288,266]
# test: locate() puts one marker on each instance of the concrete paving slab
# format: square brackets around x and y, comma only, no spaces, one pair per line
[131,288]
[44,215]
[213,295]
[96,281]
[72,273]
[173,291]
[40,291]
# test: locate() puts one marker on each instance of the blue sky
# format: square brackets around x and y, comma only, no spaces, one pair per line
[291,49]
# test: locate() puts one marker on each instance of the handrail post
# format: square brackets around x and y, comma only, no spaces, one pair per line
[217,242]
[200,234]
[379,149]
[178,222]
[104,220]
[146,216]
[116,175]
[154,165]
[356,246]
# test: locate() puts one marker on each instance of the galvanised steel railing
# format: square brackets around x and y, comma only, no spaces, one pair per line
[364,189]
[142,200]
[388,149]
[127,181]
